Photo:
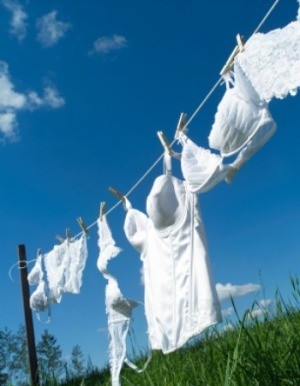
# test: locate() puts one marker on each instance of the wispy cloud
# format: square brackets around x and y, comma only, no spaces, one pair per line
[228,327]
[51,98]
[18,25]
[262,308]
[51,30]
[227,312]
[106,44]
[102,329]
[225,291]
[11,102]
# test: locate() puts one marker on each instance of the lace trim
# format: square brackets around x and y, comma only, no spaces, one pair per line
[272,61]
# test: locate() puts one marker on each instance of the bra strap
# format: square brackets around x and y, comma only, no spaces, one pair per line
[167,164]
[127,204]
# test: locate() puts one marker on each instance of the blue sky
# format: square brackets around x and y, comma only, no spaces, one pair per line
[84,88]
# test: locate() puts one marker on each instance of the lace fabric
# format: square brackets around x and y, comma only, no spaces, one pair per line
[55,264]
[201,169]
[38,299]
[36,274]
[118,308]
[77,256]
[64,266]
[272,61]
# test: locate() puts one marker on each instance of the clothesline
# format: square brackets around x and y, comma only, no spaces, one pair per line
[203,102]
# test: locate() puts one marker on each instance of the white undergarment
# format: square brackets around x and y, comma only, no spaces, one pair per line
[272,61]
[38,299]
[64,266]
[201,169]
[240,115]
[118,308]
[180,296]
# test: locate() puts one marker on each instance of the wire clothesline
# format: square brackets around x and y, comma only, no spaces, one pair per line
[203,102]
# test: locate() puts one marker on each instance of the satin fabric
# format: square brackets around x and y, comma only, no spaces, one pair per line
[180,296]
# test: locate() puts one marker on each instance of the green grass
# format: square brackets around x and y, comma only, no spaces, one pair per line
[264,352]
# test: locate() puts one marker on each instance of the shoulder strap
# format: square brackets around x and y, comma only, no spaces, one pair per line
[144,367]
[167,166]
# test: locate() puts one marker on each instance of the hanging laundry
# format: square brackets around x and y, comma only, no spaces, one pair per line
[64,266]
[118,308]
[78,254]
[38,299]
[201,169]
[56,262]
[241,114]
[272,61]
[180,295]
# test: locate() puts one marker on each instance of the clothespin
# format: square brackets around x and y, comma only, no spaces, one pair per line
[39,252]
[164,142]
[181,124]
[239,48]
[102,210]
[117,194]
[60,239]
[82,224]
[241,42]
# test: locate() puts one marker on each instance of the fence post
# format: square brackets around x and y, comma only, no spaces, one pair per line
[28,317]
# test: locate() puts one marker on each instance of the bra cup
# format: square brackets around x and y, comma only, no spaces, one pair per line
[164,203]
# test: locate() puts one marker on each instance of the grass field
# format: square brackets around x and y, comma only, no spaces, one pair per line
[261,351]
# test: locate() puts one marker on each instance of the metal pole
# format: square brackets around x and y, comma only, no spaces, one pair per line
[28,317]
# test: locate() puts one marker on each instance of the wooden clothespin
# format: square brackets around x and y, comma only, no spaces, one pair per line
[181,124]
[164,142]
[82,224]
[102,210]
[241,42]
[239,48]
[117,194]
[60,239]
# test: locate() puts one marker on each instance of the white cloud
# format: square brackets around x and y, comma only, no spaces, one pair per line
[106,44]
[227,312]
[8,97]
[51,30]
[102,329]
[225,291]
[262,308]
[51,99]
[18,25]
[11,102]
[228,327]
[8,124]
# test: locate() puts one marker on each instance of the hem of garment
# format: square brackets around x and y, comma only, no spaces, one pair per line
[196,332]
[261,124]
